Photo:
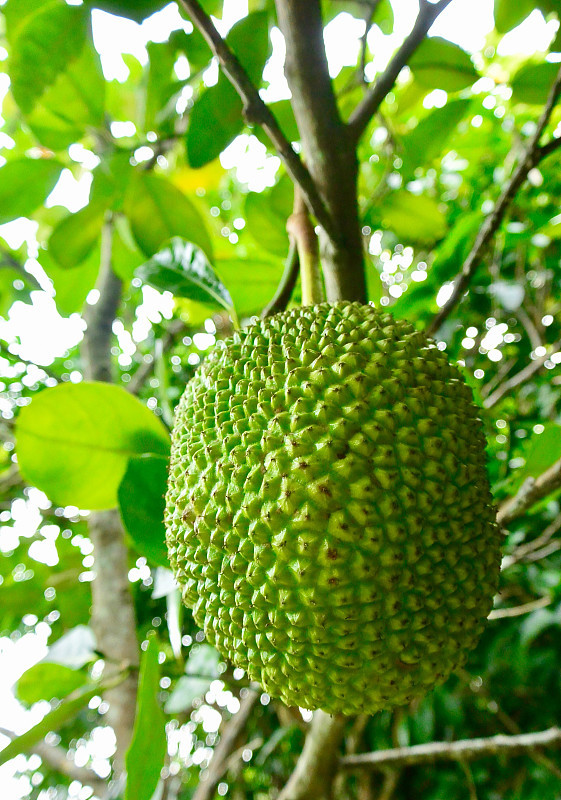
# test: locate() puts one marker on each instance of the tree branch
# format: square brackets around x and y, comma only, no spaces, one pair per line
[228,736]
[366,109]
[462,750]
[531,156]
[144,371]
[531,491]
[520,377]
[256,111]
[113,614]
[518,611]
[329,152]
[316,767]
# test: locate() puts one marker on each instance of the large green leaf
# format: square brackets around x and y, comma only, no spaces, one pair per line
[252,282]
[75,237]
[216,117]
[137,10]
[146,754]
[45,37]
[183,269]
[532,83]
[508,14]
[266,215]
[71,286]
[25,183]
[74,441]
[427,140]
[72,105]
[413,217]
[439,64]
[142,504]
[157,211]
[46,680]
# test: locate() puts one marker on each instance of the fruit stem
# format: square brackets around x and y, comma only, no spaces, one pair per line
[303,232]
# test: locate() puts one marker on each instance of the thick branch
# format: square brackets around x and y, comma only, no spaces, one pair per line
[228,737]
[329,152]
[520,377]
[313,777]
[531,156]
[462,750]
[256,111]
[113,615]
[532,490]
[364,112]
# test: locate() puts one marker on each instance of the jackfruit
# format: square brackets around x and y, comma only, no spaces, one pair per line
[329,518]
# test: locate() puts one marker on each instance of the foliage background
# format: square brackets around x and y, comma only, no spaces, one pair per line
[188,241]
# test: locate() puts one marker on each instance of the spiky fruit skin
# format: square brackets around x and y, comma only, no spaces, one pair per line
[328,514]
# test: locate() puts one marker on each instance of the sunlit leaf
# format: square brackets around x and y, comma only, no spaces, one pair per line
[532,83]
[74,441]
[157,211]
[440,64]
[75,237]
[45,681]
[25,183]
[413,217]
[508,14]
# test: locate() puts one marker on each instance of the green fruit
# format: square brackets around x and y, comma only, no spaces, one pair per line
[328,514]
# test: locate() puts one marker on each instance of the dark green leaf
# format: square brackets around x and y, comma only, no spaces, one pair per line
[266,216]
[157,211]
[45,681]
[44,41]
[146,754]
[532,83]
[142,504]
[75,237]
[183,269]
[74,441]
[439,64]
[137,10]
[25,183]
[216,117]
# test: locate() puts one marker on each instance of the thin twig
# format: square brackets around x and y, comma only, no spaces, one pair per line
[147,367]
[366,109]
[228,737]
[462,750]
[529,550]
[57,758]
[286,286]
[256,112]
[531,156]
[520,377]
[368,20]
[519,611]
[531,491]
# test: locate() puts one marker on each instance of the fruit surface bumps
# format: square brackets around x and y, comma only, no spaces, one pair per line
[328,513]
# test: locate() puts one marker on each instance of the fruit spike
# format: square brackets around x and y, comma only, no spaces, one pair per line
[328,514]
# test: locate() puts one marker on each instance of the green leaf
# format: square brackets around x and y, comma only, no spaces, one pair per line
[52,721]
[45,681]
[216,117]
[75,237]
[183,269]
[266,215]
[439,64]
[137,10]
[455,248]
[427,140]
[284,115]
[142,503]
[508,14]
[543,451]
[45,38]
[252,282]
[72,105]
[532,83]
[74,441]
[157,211]
[71,286]
[25,183]
[413,217]
[146,754]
